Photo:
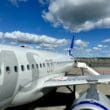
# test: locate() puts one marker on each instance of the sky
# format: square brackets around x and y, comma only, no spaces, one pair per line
[50,25]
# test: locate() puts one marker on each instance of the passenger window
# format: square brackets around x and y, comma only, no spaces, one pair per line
[40,65]
[32,66]
[15,68]
[43,64]
[37,66]
[22,67]
[0,71]
[7,69]
[28,67]
[48,64]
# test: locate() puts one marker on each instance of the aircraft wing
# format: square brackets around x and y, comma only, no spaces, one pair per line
[77,80]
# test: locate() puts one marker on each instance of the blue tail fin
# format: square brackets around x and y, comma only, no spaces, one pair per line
[71,47]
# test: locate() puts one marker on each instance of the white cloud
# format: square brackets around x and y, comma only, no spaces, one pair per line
[15,2]
[99,47]
[99,50]
[96,48]
[13,43]
[88,50]
[81,48]
[81,43]
[78,15]
[48,46]
[38,47]
[43,2]
[1,35]
[42,40]
[106,41]
[22,0]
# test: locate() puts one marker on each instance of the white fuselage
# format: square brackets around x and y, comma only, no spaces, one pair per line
[23,72]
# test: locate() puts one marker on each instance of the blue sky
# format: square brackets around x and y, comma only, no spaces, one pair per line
[26,17]
[57,21]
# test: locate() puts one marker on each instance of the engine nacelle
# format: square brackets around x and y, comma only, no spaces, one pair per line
[92,99]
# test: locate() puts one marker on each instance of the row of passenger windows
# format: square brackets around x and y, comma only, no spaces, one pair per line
[28,67]
[32,66]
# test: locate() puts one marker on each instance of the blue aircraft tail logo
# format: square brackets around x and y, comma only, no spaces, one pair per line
[71,47]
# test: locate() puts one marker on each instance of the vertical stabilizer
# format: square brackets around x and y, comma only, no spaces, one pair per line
[71,47]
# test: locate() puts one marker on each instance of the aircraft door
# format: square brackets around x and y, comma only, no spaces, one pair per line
[9,69]
[35,71]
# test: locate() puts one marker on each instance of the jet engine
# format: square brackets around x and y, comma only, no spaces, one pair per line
[92,99]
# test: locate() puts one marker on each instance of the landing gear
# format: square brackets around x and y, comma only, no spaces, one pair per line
[73,96]
[72,90]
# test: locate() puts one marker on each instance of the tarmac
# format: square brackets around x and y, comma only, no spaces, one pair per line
[63,98]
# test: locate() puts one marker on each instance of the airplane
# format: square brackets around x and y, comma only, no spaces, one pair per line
[27,75]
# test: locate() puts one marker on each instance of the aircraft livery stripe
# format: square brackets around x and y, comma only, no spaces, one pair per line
[90,103]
